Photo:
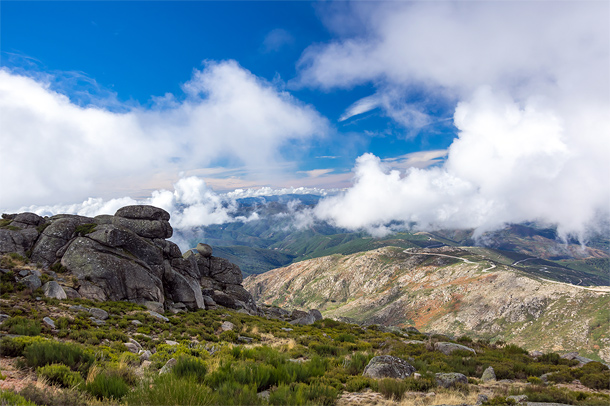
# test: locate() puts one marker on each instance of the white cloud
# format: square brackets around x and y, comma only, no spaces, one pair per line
[530,84]
[55,151]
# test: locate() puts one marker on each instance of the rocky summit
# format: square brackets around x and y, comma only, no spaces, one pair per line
[125,257]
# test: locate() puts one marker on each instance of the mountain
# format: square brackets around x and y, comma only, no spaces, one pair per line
[274,240]
[449,290]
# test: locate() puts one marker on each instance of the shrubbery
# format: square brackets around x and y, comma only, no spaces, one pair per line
[44,353]
[60,374]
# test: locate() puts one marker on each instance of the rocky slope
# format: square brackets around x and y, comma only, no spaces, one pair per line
[122,257]
[446,290]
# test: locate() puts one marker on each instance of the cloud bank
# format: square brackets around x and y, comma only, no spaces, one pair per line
[54,150]
[529,82]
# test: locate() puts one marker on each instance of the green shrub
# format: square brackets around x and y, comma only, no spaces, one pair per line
[394,388]
[168,389]
[229,336]
[51,352]
[356,383]
[60,374]
[301,394]
[22,326]
[357,363]
[107,384]
[600,380]
[327,350]
[190,367]
[11,398]
[233,393]
[14,347]
[499,401]
[85,229]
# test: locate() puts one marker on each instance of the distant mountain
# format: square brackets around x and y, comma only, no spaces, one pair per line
[450,290]
[275,241]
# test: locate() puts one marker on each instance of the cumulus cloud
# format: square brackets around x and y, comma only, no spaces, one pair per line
[529,84]
[54,150]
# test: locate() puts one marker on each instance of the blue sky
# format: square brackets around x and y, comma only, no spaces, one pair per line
[138,50]
[445,114]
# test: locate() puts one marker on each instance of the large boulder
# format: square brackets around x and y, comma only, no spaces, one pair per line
[56,236]
[183,289]
[387,366]
[111,273]
[145,228]
[488,375]
[53,290]
[142,212]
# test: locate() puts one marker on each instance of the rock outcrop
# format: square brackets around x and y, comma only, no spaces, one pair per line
[124,257]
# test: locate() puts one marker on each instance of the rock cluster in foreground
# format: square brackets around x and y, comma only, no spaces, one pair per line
[123,257]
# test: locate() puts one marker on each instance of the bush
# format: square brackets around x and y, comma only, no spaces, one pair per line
[51,352]
[229,336]
[394,388]
[61,375]
[22,326]
[13,399]
[357,364]
[301,394]
[14,347]
[54,397]
[168,389]
[107,384]
[356,383]
[190,367]
[600,380]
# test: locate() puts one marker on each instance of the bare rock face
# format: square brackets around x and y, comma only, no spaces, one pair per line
[387,366]
[19,233]
[448,348]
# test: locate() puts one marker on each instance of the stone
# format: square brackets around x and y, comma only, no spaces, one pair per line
[131,347]
[204,250]
[221,270]
[157,316]
[519,399]
[154,306]
[488,375]
[297,314]
[4,317]
[184,289]
[145,355]
[145,228]
[53,290]
[304,321]
[142,212]
[169,365]
[447,380]
[316,314]
[536,354]
[448,348]
[137,344]
[23,220]
[387,366]
[49,322]
[32,282]
[286,329]
[146,364]
[227,325]
[97,321]
[99,313]
[482,399]
[136,322]
[245,340]
[171,342]
[570,355]
[55,236]
[414,342]
[111,273]
[71,293]
[264,394]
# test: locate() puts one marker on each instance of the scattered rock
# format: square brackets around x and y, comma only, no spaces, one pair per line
[286,329]
[448,348]
[32,282]
[227,325]
[99,313]
[482,399]
[488,375]
[168,366]
[446,380]
[136,322]
[132,347]
[137,344]
[71,293]
[171,342]
[264,394]
[245,340]
[49,322]
[536,354]
[145,355]
[387,366]
[4,317]
[413,342]
[157,316]
[519,399]
[204,250]
[53,290]
[97,321]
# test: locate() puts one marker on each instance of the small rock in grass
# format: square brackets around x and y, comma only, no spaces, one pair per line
[49,322]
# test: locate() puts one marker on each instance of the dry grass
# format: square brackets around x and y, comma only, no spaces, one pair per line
[442,398]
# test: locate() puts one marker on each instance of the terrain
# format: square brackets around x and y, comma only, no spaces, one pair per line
[273,240]
[448,290]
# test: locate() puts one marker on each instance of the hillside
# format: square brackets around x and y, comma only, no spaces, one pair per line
[447,290]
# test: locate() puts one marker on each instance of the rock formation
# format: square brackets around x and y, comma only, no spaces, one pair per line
[125,257]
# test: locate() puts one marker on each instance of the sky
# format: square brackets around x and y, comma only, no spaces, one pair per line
[463,114]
